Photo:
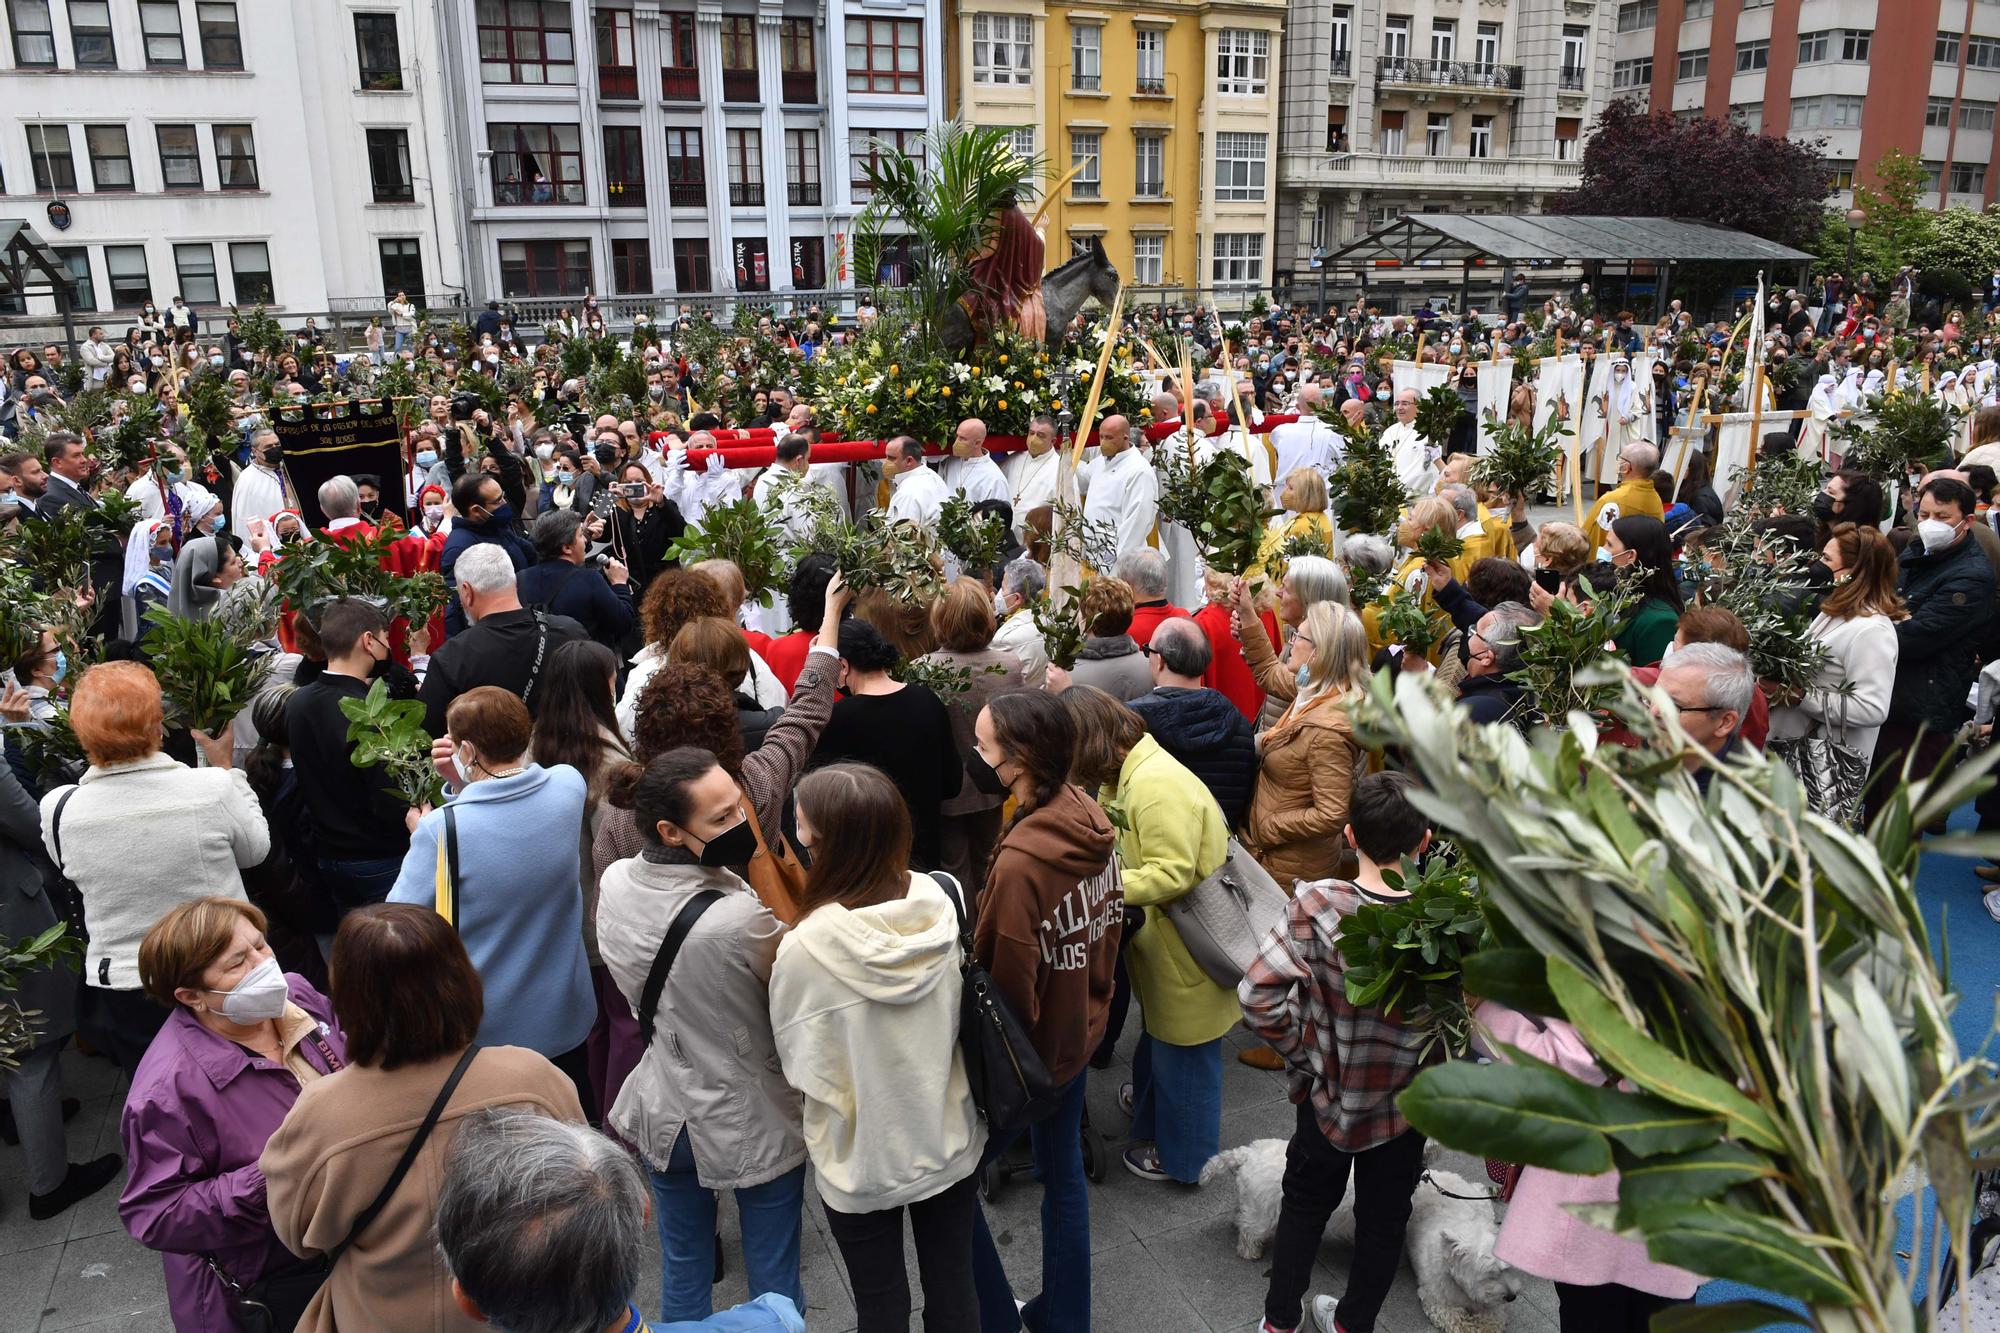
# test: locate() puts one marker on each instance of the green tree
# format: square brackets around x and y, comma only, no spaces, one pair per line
[1957,252]
[1897,221]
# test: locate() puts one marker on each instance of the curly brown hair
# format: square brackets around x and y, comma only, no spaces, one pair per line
[675,597]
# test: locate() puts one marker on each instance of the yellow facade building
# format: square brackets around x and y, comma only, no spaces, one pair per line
[1171,107]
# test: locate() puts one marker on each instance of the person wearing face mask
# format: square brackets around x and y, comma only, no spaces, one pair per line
[963,622]
[149,572]
[513,891]
[206,567]
[168,489]
[37,672]
[1856,624]
[483,517]
[241,1042]
[1032,473]
[1947,585]
[261,487]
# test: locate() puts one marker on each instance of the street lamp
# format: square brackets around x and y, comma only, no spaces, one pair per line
[1856,219]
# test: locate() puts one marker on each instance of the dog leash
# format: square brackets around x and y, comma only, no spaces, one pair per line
[1428,1179]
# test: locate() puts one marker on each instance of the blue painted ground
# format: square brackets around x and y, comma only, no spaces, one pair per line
[1950,895]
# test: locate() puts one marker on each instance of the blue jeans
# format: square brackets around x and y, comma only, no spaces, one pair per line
[1177,1103]
[770,1213]
[352,884]
[1064,1303]
[402,341]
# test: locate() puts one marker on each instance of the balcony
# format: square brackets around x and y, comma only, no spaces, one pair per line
[746,194]
[1571,80]
[800,87]
[1155,86]
[1460,75]
[739,85]
[802,194]
[1085,83]
[1517,174]
[687,193]
[680,85]
[1340,65]
[618,83]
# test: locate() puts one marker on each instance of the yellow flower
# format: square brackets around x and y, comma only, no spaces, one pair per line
[1019,385]
[871,409]
[946,391]
[895,370]
[1003,404]
[1038,374]
[1003,358]
[910,392]
[1057,405]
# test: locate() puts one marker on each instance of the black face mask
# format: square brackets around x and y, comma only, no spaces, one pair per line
[733,847]
[372,508]
[984,776]
[1822,507]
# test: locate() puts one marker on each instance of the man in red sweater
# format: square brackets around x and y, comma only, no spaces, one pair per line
[1145,569]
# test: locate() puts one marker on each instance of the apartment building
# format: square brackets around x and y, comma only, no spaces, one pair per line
[227,152]
[1398,106]
[1167,108]
[633,148]
[1865,75]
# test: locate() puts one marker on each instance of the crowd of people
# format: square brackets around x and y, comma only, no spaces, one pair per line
[697,908]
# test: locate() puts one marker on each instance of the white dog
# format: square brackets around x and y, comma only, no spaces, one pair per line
[1462,1287]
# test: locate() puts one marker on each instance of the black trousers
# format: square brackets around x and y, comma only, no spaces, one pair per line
[575,1063]
[120,1024]
[1608,1309]
[871,1245]
[1316,1173]
[1896,740]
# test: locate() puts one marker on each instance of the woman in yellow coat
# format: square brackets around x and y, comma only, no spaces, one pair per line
[1170,838]
[1304,502]
[1427,514]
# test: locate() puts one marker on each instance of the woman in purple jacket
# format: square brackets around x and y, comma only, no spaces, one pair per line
[215,1084]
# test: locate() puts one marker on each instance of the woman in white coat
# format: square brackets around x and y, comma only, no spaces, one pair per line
[1857,625]
[1821,409]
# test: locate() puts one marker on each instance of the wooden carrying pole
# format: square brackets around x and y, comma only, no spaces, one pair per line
[1088,420]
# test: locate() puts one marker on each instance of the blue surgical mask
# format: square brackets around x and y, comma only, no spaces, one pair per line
[177,474]
[427,459]
[62,666]
[1303,675]
[219,525]
[215,360]
[565,478]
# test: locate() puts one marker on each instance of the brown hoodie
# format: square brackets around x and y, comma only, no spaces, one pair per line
[1048,927]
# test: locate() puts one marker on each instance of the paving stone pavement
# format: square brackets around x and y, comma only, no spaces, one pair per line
[1163,1256]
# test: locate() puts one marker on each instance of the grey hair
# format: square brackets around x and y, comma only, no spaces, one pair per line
[1182,646]
[1501,628]
[1463,500]
[543,1223]
[1727,681]
[554,531]
[1025,579]
[1314,578]
[1146,570]
[485,568]
[339,497]
[1367,552]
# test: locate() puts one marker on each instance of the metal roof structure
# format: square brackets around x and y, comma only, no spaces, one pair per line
[1465,238]
[26,260]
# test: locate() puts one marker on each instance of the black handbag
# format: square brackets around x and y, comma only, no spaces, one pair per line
[275,1302]
[1010,1084]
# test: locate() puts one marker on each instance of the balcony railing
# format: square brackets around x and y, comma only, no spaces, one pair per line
[680,85]
[626,194]
[687,194]
[618,83]
[800,87]
[746,194]
[1570,80]
[1341,64]
[1492,171]
[739,85]
[1085,83]
[1468,74]
[802,194]
[1153,87]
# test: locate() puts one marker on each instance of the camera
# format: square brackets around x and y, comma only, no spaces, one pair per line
[463,405]
[577,424]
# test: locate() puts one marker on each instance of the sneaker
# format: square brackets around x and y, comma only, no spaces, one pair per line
[1323,1308]
[1125,1099]
[84,1179]
[1144,1162]
[1260,1057]
[1268,1327]
[1992,900]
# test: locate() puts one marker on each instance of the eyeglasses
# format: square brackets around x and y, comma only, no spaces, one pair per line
[1706,708]
[1148,650]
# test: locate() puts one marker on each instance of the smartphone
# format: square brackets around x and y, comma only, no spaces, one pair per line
[633,490]
[1549,580]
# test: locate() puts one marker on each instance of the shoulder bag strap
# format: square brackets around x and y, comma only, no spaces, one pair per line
[55,826]
[451,875]
[403,1165]
[541,650]
[956,892]
[663,961]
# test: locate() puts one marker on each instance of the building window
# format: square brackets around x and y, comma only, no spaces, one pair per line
[1750,115]
[536,164]
[544,268]
[802,178]
[1086,58]
[1632,17]
[631,266]
[402,267]
[1444,36]
[235,157]
[1396,39]
[624,167]
[180,157]
[125,266]
[76,262]
[110,158]
[1697,9]
[378,53]
[1974,115]
[1022,142]
[885,56]
[50,158]
[1481,144]
[34,33]
[865,147]
[746,168]
[526,41]
[739,58]
[1240,161]
[1391,136]
[194,274]
[1567,131]
[1946,50]
[1841,175]
[1085,151]
[1239,258]
[1933,177]
[799,69]
[1937,113]
[1968,177]
[389,166]
[1003,48]
[1437,134]
[1843,112]
[1813,47]
[691,265]
[1854,46]
[1982,53]
[617,67]
[1243,61]
[1336,129]
[1752,56]
[680,81]
[1693,65]
[160,23]
[1151,45]
[90,39]
[1632,73]
[1149,172]
[221,39]
[687,175]
[1486,45]
[1149,260]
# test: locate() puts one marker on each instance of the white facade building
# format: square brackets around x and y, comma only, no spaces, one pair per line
[231,153]
[636,148]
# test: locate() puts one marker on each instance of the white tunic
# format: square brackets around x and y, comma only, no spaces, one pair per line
[919,494]
[979,478]
[1307,442]
[1416,465]
[1034,483]
[259,493]
[1121,491]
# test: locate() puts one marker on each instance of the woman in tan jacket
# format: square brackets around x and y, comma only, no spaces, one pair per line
[410,1001]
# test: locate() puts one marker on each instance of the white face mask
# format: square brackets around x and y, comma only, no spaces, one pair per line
[1936,533]
[1000,607]
[460,767]
[259,996]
